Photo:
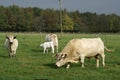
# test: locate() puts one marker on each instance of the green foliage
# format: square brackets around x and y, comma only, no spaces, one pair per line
[67,22]
[31,63]
[15,18]
[51,19]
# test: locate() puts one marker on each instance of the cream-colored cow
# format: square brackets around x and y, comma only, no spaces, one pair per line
[47,45]
[79,49]
[53,38]
[11,43]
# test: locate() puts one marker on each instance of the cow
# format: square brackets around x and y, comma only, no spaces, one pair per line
[53,38]
[11,43]
[46,45]
[78,49]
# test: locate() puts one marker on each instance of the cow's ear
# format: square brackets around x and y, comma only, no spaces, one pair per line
[14,37]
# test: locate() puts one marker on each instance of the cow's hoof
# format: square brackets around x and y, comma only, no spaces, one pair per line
[68,66]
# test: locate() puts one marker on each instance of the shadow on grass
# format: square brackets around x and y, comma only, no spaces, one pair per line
[118,63]
[37,50]
[3,56]
[51,65]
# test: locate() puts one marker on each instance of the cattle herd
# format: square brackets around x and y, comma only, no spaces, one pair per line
[76,49]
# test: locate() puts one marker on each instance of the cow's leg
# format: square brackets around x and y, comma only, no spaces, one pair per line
[47,50]
[44,50]
[82,61]
[103,59]
[97,60]
[14,52]
[52,49]
[10,54]
[56,47]
[68,66]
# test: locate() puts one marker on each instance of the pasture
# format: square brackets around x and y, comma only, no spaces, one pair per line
[31,64]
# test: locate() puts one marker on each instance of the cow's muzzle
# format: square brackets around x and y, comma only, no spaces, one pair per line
[11,42]
[58,65]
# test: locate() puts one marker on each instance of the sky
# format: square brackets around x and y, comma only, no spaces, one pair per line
[94,6]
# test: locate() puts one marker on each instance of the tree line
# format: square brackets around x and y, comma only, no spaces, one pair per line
[19,19]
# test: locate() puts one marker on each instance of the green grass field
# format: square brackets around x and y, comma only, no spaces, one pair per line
[31,64]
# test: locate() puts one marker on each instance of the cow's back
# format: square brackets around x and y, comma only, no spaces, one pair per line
[53,38]
[91,47]
[88,47]
[48,38]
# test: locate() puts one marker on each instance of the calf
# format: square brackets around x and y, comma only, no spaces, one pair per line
[46,45]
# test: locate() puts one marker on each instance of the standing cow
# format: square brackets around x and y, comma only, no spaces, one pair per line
[78,49]
[53,38]
[47,45]
[11,43]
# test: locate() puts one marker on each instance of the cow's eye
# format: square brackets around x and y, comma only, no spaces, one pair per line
[61,55]
[64,56]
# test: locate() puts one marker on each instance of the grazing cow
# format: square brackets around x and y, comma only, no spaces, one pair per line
[11,43]
[46,45]
[78,49]
[53,38]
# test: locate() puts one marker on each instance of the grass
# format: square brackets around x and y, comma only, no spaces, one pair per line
[31,64]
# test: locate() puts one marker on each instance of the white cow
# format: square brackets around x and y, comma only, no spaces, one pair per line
[53,38]
[46,45]
[78,49]
[11,43]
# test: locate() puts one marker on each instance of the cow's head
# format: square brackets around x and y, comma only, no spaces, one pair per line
[10,38]
[41,45]
[61,59]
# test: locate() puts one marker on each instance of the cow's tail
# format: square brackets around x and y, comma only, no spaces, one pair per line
[109,50]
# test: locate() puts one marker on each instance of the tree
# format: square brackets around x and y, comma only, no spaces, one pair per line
[38,23]
[29,15]
[78,24]
[3,19]
[51,19]
[15,18]
[67,22]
